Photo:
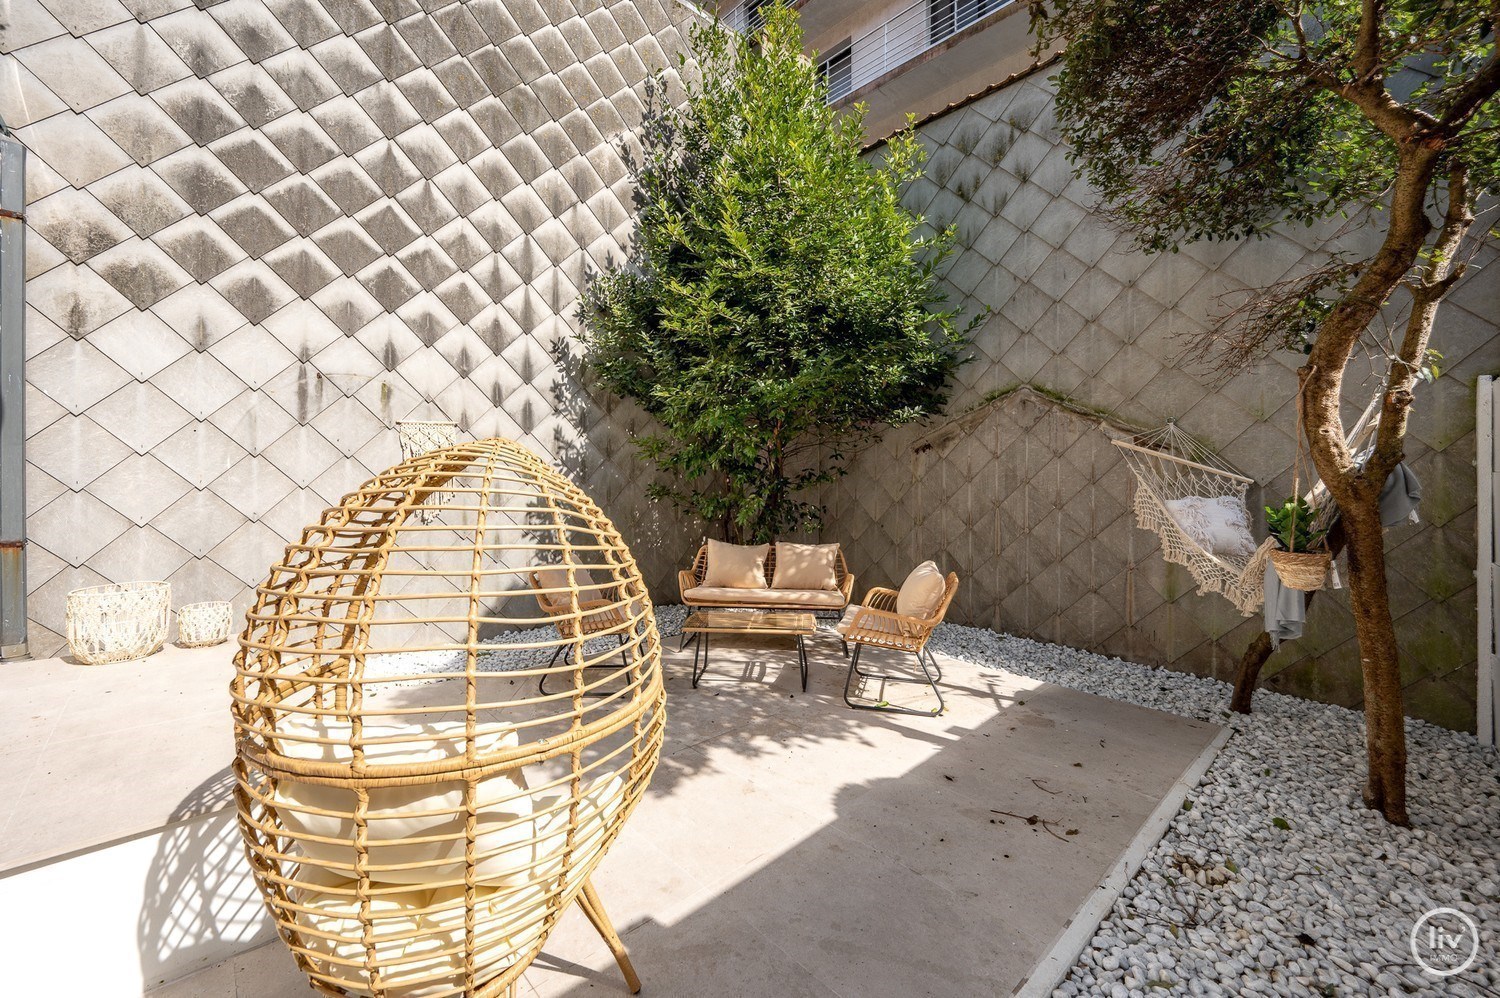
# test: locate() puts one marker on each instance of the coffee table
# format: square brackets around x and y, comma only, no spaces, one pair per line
[704,623]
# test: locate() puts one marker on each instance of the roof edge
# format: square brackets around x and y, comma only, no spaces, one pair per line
[1013,78]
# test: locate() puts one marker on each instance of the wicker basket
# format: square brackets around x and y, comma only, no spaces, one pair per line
[202,624]
[1303,570]
[118,623]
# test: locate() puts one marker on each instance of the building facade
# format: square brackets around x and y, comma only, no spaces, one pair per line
[261,232]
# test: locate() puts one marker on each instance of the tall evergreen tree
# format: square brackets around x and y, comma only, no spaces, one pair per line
[780,305]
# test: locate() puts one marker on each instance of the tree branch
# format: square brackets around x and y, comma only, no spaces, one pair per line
[1367,48]
[1471,97]
[1440,274]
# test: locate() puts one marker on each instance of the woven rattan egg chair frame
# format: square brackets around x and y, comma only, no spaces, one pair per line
[312,723]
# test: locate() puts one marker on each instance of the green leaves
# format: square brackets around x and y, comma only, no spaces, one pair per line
[779,305]
[1291,524]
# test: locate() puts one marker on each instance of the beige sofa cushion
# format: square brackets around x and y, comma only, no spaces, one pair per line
[806,566]
[736,566]
[814,599]
[921,592]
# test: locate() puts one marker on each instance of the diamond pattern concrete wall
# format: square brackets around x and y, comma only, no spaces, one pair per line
[1029,501]
[262,231]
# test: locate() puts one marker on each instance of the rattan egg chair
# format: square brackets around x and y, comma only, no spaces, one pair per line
[416,814]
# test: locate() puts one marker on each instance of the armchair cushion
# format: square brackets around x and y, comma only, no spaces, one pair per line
[556,577]
[806,566]
[736,566]
[922,591]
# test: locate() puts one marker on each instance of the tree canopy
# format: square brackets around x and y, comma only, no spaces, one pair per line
[780,304]
[1222,118]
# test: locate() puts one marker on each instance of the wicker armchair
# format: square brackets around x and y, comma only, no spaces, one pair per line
[600,613]
[876,623]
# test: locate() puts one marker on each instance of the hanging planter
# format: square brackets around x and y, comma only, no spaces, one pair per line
[1300,530]
[1304,570]
[202,624]
[1301,560]
[118,623]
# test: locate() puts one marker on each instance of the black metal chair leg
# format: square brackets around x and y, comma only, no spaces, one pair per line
[802,661]
[541,685]
[700,644]
[889,708]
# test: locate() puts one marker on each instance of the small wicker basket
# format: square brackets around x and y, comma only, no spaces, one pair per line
[119,622]
[1302,570]
[202,624]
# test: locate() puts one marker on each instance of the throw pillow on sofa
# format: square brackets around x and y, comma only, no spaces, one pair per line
[806,566]
[736,566]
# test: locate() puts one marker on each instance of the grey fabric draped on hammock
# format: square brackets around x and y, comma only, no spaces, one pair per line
[1169,465]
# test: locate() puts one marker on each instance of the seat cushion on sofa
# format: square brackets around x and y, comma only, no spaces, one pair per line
[815,599]
[740,566]
[806,566]
[921,592]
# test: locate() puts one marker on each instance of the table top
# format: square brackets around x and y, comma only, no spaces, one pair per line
[750,622]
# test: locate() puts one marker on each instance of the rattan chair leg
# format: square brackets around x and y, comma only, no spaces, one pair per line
[888,708]
[589,901]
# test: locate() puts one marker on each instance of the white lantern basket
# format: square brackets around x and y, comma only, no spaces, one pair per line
[202,624]
[120,622]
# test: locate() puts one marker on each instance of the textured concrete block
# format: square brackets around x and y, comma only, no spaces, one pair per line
[77,224]
[385,47]
[346,124]
[347,63]
[253,289]
[76,73]
[426,39]
[253,93]
[141,271]
[301,140]
[198,41]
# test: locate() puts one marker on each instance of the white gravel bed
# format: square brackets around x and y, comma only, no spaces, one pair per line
[1275,879]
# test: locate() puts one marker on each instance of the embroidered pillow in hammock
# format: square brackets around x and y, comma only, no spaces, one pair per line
[1217,524]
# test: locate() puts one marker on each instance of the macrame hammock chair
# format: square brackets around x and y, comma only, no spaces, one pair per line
[1169,464]
[416,815]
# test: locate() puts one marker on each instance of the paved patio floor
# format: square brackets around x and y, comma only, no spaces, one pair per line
[790,846]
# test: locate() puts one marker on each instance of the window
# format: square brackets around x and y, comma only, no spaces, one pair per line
[948,17]
[838,72]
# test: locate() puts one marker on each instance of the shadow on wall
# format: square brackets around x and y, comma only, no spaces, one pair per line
[595,446]
[201,903]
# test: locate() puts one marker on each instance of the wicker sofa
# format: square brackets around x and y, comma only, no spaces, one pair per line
[696,594]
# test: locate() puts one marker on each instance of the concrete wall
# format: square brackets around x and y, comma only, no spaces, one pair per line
[1029,501]
[262,231]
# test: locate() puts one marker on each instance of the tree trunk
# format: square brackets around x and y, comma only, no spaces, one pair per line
[1385,718]
[1249,672]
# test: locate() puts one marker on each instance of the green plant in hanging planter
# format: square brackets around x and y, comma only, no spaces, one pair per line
[1291,524]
